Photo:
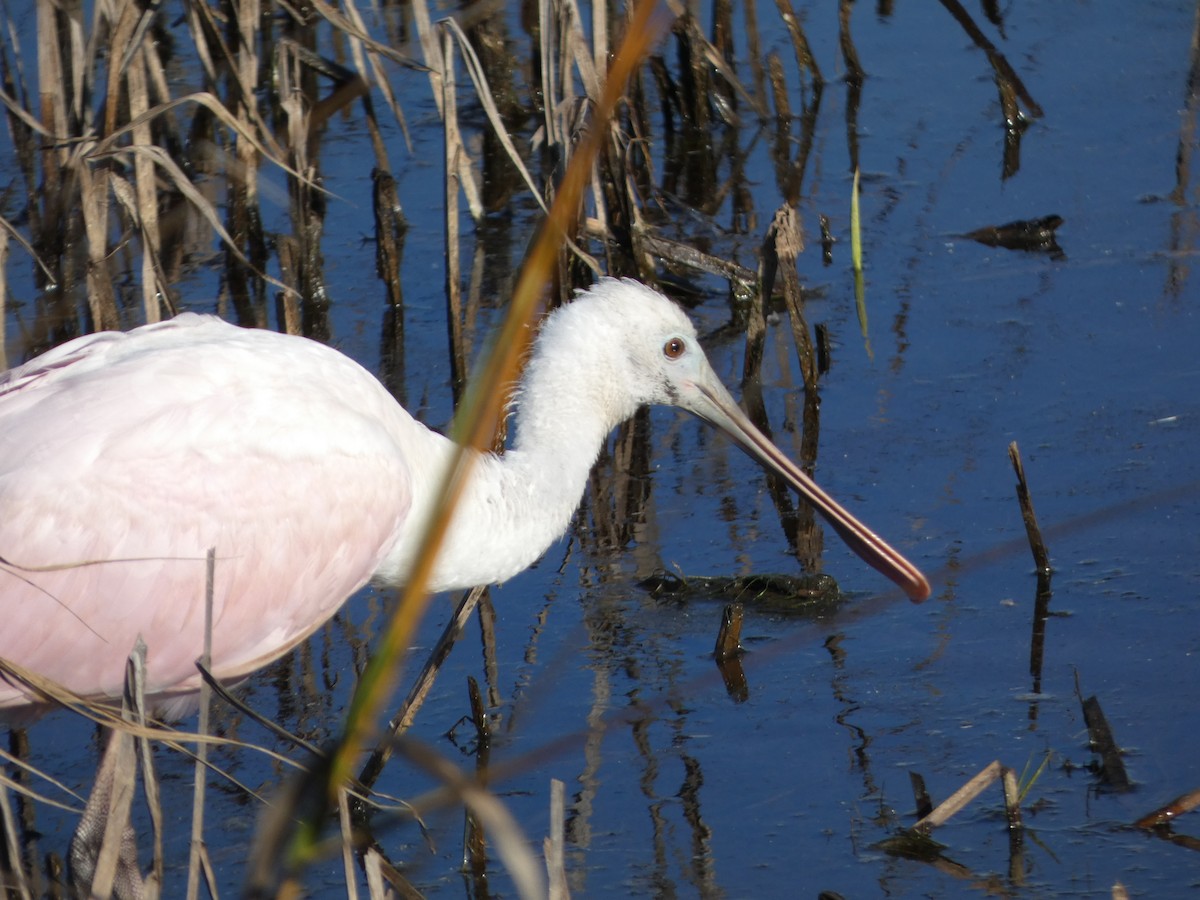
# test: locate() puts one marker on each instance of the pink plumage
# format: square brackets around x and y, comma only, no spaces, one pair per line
[124,458]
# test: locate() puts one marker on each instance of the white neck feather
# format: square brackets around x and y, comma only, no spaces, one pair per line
[516,505]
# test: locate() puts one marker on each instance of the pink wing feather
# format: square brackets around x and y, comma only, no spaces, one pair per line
[123,458]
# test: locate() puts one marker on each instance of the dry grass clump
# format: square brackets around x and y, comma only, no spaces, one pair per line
[139,138]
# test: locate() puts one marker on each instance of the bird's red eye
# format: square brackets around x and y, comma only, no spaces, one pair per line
[673,349]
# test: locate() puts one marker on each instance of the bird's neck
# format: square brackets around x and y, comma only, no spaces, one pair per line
[516,505]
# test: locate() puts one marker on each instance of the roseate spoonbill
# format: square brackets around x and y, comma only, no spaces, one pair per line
[124,457]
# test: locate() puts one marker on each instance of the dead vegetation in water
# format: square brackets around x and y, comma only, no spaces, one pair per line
[916,841]
[165,178]
[139,141]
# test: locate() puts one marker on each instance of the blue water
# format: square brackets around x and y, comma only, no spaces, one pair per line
[1089,361]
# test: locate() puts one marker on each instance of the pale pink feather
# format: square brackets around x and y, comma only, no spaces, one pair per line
[123,458]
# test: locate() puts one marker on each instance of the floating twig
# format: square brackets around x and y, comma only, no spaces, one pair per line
[1164,815]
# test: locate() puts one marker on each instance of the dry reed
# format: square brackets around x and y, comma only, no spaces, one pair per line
[105,120]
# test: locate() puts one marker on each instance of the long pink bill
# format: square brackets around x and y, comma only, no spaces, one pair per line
[722,412]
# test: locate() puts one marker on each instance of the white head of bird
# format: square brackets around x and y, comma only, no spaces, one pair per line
[125,457]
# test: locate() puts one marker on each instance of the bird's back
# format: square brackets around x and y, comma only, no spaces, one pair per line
[123,458]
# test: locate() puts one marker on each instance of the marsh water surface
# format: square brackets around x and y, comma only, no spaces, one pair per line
[1085,353]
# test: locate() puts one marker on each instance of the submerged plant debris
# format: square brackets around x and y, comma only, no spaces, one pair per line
[778,593]
[1032,235]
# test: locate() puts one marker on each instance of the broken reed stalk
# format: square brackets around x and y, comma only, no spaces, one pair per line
[1037,545]
[784,244]
[553,847]
[348,851]
[373,867]
[198,854]
[377,76]
[779,88]
[1012,797]
[15,871]
[483,728]
[755,325]
[1112,767]
[145,180]
[391,226]
[487,637]
[483,93]
[1164,815]
[920,794]
[93,208]
[474,832]
[436,62]
[959,799]
[242,216]
[729,635]
[454,153]
[1186,145]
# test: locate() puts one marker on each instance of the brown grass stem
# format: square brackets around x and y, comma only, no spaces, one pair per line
[476,423]
[955,803]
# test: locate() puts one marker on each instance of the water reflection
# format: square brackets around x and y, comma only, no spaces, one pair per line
[828,716]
